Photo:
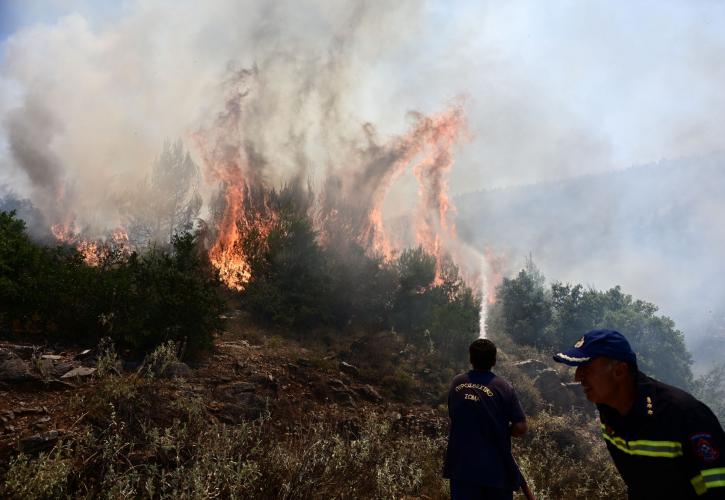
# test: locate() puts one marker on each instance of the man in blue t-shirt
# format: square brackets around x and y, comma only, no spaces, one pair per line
[484,413]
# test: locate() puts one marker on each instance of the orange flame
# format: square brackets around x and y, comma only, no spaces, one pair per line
[94,252]
[355,206]
[426,149]
[226,162]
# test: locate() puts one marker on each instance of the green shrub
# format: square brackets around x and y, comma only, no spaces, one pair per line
[553,319]
[399,385]
[162,296]
[44,477]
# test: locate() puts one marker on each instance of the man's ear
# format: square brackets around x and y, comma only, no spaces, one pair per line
[621,370]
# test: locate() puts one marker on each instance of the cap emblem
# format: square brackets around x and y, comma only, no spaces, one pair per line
[579,343]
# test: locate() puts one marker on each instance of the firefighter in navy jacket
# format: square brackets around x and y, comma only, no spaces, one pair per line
[485,413]
[664,442]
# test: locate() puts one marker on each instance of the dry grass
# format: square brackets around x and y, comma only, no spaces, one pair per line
[564,457]
[144,437]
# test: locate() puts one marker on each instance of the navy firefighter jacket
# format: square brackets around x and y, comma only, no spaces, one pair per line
[481,407]
[670,445]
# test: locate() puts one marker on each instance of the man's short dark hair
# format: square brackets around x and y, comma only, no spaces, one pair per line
[483,354]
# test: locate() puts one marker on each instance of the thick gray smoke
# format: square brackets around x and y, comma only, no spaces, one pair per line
[96,103]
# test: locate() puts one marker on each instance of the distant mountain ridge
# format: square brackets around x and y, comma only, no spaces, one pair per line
[656,229]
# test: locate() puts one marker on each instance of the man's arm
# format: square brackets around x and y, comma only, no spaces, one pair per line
[704,447]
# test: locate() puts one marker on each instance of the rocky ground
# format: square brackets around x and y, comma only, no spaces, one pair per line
[237,381]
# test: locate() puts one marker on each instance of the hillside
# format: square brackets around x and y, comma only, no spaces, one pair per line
[260,416]
[652,229]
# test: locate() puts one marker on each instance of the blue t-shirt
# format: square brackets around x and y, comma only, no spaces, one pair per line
[481,407]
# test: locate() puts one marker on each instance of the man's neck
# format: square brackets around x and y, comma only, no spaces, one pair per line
[625,397]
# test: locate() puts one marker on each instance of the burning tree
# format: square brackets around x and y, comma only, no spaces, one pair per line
[350,204]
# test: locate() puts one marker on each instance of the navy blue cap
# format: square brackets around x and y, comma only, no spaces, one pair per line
[595,343]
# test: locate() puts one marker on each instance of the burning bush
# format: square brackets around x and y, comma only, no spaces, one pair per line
[295,282]
[138,300]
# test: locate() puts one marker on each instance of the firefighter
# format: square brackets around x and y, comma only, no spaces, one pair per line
[664,442]
[484,412]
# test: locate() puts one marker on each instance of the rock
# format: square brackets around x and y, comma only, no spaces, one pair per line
[25,352]
[41,423]
[29,410]
[13,369]
[38,442]
[80,372]
[334,382]
[531,367]
[368,393]
[59,369]
[579,398]
[231,392]
[552,389]
[342,396]
[349,369]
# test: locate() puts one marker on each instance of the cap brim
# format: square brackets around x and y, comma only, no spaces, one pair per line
[572,357]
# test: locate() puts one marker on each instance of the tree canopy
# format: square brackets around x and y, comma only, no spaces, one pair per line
[554,318]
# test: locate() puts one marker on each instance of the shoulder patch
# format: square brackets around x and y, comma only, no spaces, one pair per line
[704,448]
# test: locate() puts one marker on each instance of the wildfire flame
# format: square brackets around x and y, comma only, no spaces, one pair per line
[245,200]
[93,251]
[427,151]
[351,204]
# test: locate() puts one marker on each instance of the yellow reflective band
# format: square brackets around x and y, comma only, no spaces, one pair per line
[645,447]
[707,479]
[714,478]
